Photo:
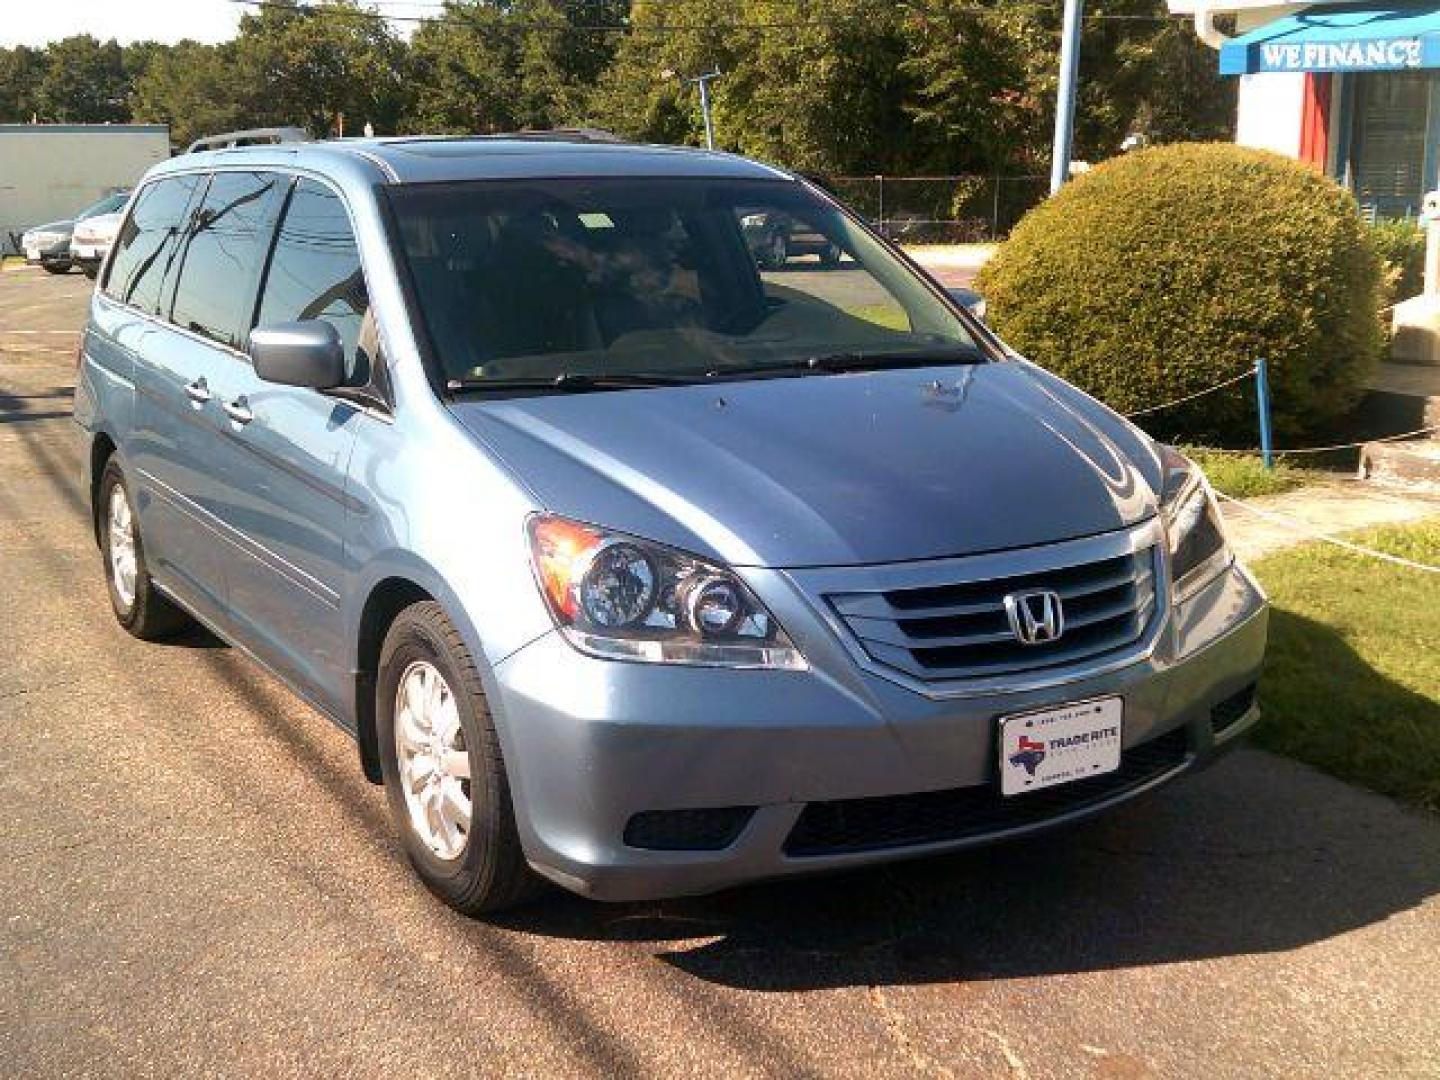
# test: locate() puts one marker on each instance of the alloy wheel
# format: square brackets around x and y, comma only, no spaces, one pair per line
[434,764]
[121,543]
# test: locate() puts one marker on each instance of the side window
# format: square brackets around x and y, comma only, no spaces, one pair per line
[315,274]
[147,243]
[227,239]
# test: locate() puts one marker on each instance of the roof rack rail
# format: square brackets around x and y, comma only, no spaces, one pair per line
[249,137]
[565,134]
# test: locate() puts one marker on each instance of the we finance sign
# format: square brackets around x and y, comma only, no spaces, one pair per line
[1396,55]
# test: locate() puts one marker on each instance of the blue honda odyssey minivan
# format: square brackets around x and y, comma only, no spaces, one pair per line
[634,559]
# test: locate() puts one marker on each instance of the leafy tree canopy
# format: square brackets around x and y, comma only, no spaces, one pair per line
[831,86]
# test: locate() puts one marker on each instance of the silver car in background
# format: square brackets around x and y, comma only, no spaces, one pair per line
[56,246]
[95,230]
[48,246]
[630,564]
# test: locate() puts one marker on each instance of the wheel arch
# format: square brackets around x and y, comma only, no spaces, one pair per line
[102,449]
[387,598]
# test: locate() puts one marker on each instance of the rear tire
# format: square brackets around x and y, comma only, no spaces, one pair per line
[91,272]
[445,776]
[139,607]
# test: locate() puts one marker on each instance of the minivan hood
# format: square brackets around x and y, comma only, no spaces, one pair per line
[829,470]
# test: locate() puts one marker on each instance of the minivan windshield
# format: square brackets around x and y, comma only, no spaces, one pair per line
[620,281]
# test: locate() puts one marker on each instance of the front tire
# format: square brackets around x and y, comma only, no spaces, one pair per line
[91,271]
[55,268]
[138,605]
[444,773]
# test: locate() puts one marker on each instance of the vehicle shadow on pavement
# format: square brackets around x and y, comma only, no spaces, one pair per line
[1258,854]
[53,404]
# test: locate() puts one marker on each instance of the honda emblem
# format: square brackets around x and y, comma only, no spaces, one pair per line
[1036,618]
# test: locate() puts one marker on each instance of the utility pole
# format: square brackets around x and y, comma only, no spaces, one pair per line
[702,81]
[1065,99]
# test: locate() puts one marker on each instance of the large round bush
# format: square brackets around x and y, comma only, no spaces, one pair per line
[1160,273]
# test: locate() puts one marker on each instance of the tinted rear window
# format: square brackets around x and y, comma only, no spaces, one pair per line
[145,248]
[226,242]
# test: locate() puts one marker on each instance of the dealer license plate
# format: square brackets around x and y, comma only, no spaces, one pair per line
[1055,746]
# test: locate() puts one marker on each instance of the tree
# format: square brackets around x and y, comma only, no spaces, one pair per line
[483,66]
[21,69]
[561,54]
[985,84]
[312,67]
[197,89]
[988,80]
[1185,97]
[829,93]
[464,63]
[828,86]
[84,82]
[642,93]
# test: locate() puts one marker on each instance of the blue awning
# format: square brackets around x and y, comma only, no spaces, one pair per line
[1345,37]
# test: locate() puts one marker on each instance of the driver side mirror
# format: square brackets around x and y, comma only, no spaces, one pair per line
[308,353]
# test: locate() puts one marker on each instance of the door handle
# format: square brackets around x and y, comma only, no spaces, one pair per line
[198,391]
[238,410]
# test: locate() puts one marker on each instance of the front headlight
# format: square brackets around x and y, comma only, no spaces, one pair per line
[1194,530]
[623,598]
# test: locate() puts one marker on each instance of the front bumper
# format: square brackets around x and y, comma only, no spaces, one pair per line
[52,255]
[591,743]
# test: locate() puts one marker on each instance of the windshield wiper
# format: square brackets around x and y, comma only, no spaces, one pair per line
[571,382]
[832,363]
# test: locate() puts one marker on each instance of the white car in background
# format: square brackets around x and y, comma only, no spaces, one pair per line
[95,230]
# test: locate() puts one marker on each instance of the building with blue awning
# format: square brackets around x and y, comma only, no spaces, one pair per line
[1352,88]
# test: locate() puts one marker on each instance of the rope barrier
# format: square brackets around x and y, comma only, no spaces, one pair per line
[1249,373]
[1252,373]
[1432,429]
[1306,529]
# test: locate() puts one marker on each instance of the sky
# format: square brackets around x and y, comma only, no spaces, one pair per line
[37,22]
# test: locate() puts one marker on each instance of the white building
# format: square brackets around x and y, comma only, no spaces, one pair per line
[1352,88]
[49,171]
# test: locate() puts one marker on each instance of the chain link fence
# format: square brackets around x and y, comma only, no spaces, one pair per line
[941,209]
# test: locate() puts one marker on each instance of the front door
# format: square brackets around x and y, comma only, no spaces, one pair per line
[284,484]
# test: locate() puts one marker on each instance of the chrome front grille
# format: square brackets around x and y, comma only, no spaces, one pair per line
[956,627]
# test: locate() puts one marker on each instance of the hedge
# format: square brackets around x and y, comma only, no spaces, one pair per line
[1167,270]
[1400,246]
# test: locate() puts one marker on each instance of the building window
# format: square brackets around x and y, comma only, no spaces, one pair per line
[1393,117]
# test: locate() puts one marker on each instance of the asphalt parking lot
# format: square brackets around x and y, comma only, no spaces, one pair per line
[195,878]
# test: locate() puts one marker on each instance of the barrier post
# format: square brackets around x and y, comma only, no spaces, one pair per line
[1262,402]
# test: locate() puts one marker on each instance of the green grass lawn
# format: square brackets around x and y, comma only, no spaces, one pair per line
[1352,682]
[1243,476]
